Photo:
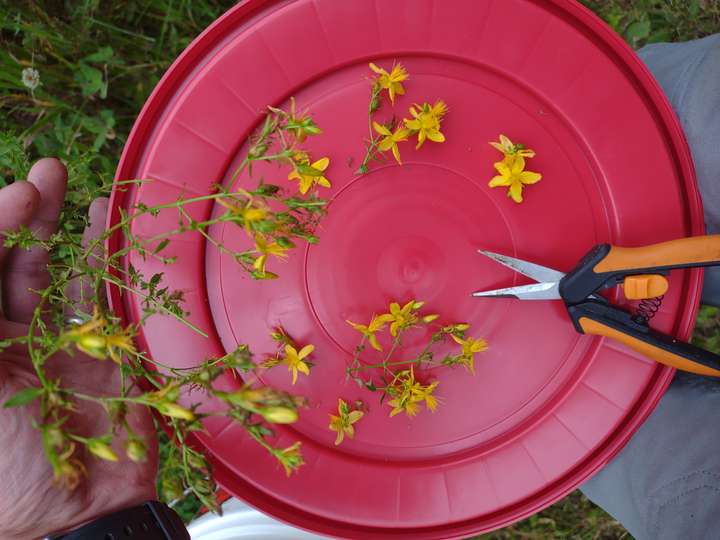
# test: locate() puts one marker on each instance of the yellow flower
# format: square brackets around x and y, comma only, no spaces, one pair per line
[290,458]
[101,449]
[301,126]
[294,360]
[511,150]
[250,212]
[93,338]
[377,323]
[266,249]
[426,122]
[515,177]
[407,394]
[390,139]
[68,470]
[402,318]
[425,393]
[392,82]
[343,423]
[470,347]
[116,344]
[308,174]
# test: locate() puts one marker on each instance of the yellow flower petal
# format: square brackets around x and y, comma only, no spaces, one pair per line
[527,177]
[321,164]
[385,144]
[502,168]
[306,183]
[506,144]
[499,181]
[378,70]
[518,165]
[435,136]
[354,416]
[302,367]
[516,192]
[305,351]
[396,154]
[382,130]
[374,342]
[421,138]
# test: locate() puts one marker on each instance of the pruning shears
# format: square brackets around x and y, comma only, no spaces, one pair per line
[641,272]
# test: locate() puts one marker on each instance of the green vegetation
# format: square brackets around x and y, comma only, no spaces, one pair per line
[74,74]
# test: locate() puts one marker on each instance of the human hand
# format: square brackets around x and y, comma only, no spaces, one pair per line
[31,504]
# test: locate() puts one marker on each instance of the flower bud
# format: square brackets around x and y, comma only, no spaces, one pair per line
[174,410]
[172,488]
[427,319]
[279,415]
[55,437]
[196,461]
[418,305]
[101,449]
[136,450]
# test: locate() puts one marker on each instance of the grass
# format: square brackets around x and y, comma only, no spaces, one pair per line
[98,61]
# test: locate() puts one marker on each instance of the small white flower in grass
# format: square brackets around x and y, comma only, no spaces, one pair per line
[31,78]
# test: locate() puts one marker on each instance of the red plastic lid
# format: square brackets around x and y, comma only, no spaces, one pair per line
[547,407]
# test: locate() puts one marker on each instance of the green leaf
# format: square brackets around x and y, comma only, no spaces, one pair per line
[23,397]
[91,80]
[102,55]
[162,245]
[638,30]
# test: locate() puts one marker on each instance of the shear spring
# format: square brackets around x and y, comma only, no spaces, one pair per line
[647,309]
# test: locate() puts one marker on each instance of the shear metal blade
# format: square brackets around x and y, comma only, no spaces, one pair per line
[535,291]
[534,271]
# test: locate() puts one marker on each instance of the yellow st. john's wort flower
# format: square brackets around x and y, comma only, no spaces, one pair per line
[402,318]
[377,323]
[95,338]
[390,139]
[515,177]
[408,394]
[343,422]
[301,125]
[392,82]
[309,174]
[248,211]
[290,458]
[294,360]
[470,347]
[265,249]
[511,150]
[426,122]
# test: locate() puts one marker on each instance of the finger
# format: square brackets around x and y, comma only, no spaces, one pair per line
[18,203]
[81,291]
[26,270]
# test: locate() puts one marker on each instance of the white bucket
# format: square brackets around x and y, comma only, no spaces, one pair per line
[240,522]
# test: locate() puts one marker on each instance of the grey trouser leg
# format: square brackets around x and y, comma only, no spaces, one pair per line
[665,484]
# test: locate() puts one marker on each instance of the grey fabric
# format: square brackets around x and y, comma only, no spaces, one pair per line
[689,73]
[665,484]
